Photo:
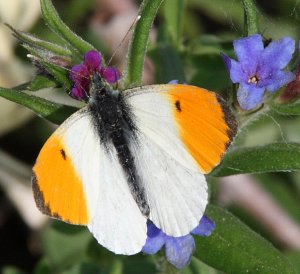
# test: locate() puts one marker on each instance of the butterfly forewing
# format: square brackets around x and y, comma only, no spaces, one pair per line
[183,132]
[79,181]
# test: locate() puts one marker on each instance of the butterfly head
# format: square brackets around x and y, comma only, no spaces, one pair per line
[92,76]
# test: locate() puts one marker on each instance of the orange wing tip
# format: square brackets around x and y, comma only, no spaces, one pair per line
[45,207]
[206,123]
[58,189]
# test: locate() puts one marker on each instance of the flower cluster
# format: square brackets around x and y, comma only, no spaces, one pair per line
[179,250]
[81,74]
[259,69]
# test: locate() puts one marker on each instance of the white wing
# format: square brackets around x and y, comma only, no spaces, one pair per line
[113,216]
[175,187]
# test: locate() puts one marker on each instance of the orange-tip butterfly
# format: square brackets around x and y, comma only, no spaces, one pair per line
[134,155]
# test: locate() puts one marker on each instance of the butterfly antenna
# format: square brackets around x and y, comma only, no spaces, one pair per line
[124,38]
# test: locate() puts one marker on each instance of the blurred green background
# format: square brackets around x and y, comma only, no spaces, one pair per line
[268,203]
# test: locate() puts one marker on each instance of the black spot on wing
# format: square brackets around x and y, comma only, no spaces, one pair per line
[178,106]
[63,154]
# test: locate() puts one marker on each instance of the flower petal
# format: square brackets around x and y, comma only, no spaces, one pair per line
[78,72]
[93,60]
[227,61]
[78,93]
[237,74]
[205,227]
[173,82]
[250,96]
[179,250]
[112,75]
[155,240]
[248,51]
[277,54]
[278,80]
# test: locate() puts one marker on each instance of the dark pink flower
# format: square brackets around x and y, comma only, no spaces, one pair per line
[81,74]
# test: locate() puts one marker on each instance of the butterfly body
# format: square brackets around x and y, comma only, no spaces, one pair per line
[133,155]
[113,122]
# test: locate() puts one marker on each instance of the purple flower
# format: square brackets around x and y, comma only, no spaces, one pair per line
[259,68]
[81,74]
[179,250]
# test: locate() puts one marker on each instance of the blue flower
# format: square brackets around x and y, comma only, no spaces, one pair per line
[179,250]
[259,68]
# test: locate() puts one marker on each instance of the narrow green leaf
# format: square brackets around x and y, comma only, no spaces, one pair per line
[52,18]
[139,42]
[30,39]
[45,59]
[251,18]
[268,158]
[55,113]
[40,82]
[234,248]
[287,109]
[58,73]
[173,13]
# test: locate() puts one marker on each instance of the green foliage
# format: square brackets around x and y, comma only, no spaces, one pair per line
[78,45]
[267,158]
[234,248]
[53,112]
[251,17]
[138,46]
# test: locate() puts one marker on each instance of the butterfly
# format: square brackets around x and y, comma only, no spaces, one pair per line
[134,155]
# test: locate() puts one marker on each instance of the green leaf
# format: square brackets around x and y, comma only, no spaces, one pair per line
[268,158]
[11,270]
[139,42]
[65,245]
[58,72]
[40,82]
[173,13]
[53,20]
[30,39]
[167,63]
[85,268]
[234,248]
[135,264]
[198,267]
[287,109]
[251,25]
[43,267]
[208,68]
[294,256]
[54,112]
